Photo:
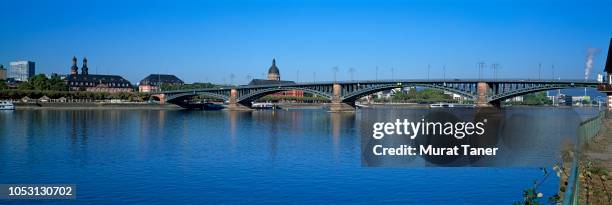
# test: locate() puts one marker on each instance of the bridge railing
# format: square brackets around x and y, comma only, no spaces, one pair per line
[587,130]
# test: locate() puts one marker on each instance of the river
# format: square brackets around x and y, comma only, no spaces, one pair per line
[301,156]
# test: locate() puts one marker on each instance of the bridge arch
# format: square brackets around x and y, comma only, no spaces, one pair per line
[156,98]
[524,91]
[353,96]
[175,98]
[254,95]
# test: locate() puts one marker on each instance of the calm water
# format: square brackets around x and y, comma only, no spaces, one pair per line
[296,156]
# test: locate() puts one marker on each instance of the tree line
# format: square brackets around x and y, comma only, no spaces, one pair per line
[418,96]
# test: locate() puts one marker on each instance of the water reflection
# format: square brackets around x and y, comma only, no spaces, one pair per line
[296,156]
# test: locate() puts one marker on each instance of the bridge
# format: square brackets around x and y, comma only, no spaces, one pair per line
[343,94]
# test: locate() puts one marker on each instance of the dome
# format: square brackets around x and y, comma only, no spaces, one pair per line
[273,69]
[273,72]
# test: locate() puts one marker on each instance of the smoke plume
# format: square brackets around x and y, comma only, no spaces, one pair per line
[588,64]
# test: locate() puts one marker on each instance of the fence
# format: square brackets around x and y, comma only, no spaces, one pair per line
[587,130]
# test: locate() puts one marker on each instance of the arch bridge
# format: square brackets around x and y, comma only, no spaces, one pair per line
[343,94]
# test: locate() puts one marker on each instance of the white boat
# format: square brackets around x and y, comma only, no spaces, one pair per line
[6,105]
[439,105]
[450,105]
[264,106]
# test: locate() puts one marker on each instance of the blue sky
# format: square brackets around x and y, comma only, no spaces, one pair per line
[211,40]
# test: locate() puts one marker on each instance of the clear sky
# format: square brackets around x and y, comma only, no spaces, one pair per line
[211,40]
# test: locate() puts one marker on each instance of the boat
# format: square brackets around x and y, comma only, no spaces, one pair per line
[6,105]
[451,105]
[359,105]
[264,106]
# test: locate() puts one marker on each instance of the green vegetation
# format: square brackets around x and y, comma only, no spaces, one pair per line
[309,99]
[167,87]
[422,96]
[55,87]
[531,196]
[538,98]
[41,82]
[35,94]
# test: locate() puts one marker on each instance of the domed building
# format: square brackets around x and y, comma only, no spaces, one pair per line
[274,78]
[273,73]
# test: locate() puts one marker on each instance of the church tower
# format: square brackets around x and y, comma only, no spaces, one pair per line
[273,73]
[84,69]
[74,70]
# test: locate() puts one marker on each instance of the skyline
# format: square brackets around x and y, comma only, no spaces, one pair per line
[209,41]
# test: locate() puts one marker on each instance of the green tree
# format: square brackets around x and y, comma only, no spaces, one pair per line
[25,86]
[538,98]
[57,84]
[40,82]
[167,87]
[3,85]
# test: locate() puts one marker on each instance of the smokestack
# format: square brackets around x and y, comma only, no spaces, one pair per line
[609,59]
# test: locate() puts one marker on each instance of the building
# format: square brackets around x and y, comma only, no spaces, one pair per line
[2,72]
[455,96]
[273,72]
[274,78]
[95,83]
[153,82]
[22,70]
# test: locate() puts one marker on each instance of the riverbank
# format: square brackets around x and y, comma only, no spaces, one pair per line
[595,162]
[146,105]
[94,105]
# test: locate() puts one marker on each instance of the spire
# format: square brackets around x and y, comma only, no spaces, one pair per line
[85,69]
[74,70]
[273,61]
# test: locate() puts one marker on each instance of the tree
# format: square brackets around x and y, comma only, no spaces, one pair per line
[25,86]
[3,85]
[539,98]
[57,84]
[40,82]
[167,87]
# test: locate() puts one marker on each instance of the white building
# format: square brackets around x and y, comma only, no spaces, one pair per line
[21,70]
[454,95]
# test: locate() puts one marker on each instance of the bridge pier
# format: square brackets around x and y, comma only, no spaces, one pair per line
[337,105]
[482,89]
[162,98]
[482,93]
[234,104]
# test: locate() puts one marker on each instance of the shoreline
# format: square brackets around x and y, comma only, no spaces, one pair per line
[167,106]
[94,105]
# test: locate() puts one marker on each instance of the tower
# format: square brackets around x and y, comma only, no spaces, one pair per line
[273,73]
[84,69]
[74,70]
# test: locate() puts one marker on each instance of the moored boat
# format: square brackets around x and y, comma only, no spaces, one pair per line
[264,106]
[451,105]
[6,105]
